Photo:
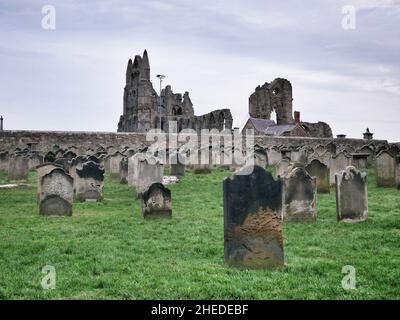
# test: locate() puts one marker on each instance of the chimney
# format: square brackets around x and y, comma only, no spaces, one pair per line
[297,117]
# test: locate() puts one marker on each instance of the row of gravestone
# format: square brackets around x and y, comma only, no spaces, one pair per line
[387,169]
[256,206]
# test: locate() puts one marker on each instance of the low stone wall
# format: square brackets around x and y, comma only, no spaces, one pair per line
[46,140]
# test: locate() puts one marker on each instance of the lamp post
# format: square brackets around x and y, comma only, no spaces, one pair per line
[161,77]
[1,123]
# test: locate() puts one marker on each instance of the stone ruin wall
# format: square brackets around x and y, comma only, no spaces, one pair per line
[45,140]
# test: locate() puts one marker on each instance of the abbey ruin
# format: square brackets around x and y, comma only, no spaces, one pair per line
[144,109]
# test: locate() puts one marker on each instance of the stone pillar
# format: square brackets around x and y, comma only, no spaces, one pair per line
[1,123]
[252,220]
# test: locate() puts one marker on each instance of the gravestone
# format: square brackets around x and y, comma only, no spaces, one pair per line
[34,160]
[18,168]
[42,170]
[156,202]
[123,171]
[132,167]
[49,157]
[385,169]
[177,165]
[115,161]
[4,161]
[299,197]
[56,194]
[351,195]
[274,156]
[282,167]
[149,170]
[319,170]
[398,171]
[89,182]
[360,160]
[252,220]
[339,162]
[260,158]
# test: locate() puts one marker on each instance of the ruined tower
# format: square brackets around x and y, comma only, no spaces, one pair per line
[141,104]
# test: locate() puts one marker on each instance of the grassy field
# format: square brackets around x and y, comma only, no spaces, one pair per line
[107,251]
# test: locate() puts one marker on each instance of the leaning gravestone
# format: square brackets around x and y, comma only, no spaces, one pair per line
[319,170]
[56,194]
[252,220]
[351,195]
[385,169]
[299,197]
[156,202]
[18,168]
[89,182]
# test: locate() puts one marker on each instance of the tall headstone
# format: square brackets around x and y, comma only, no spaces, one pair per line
[351,195]
[319,170]
[89,182]
[56,194]
[177,164]
[385,169]
[115,161]
[18,168]
[156,202]
[252,220]
[299,197]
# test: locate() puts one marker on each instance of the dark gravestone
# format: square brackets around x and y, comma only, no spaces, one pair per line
[156,202]
[351,195]
[299,197]
[252,220]
[319,170]
[4,161]
[49,157]
[89,182]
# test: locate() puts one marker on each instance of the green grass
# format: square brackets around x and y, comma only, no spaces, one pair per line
[108,251]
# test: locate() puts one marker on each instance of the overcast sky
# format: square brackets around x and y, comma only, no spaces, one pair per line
[72,78]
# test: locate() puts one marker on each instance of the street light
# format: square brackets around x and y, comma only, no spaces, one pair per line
[161,77]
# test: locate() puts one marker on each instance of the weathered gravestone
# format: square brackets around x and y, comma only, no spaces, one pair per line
[252,220]
[4,161]
[18,168]
[42,170]
[34,160]
[132,167]
[149,170]
[339,162]
[260,158]
[89,182]
[351,195]
[282,167]
[115,161]
[299,197]
[360,160]
[123,171]
[319,170]
[385,169]
[177,164]
[274,156]
[56,194]
[156,202]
